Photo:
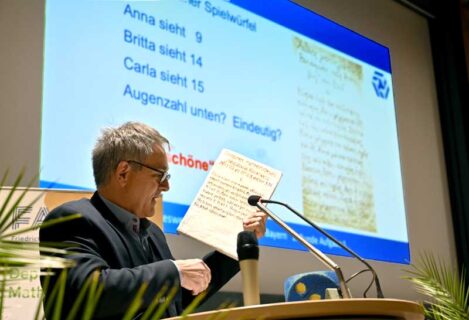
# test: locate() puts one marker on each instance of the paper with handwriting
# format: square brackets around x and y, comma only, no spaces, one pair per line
[216,214]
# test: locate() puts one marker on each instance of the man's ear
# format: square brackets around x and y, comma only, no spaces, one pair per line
[122,173]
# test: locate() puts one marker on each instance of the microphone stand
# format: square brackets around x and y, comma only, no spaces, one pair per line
[345,293]
[379,291]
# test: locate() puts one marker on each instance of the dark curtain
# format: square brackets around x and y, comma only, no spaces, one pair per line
[453,91]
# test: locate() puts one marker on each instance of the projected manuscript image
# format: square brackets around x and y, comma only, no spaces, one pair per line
[337,186]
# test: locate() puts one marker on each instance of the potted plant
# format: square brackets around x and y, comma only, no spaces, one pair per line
[447,291]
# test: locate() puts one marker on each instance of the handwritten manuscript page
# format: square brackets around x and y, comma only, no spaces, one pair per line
[216,214]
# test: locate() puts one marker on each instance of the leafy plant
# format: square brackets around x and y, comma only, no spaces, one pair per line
[19,254]
[447,291]
[31,256]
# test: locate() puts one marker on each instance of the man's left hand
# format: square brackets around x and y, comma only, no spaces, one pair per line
[256,223]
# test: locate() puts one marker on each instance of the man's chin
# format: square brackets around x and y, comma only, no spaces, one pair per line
[151,211]
[150,214]
[146,213]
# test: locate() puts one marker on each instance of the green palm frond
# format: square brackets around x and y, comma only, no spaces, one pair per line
[194,304]
[58,293]
[94,293]
[447,291]
[84,292]
[30,256]
[84,305]
[18,253]
[165,305]
[156,300]
[21,255]
[9,205]
[136,303]
[2,296]
[47,224]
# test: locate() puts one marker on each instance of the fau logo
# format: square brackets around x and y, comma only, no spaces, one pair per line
[22,216]
[381,85]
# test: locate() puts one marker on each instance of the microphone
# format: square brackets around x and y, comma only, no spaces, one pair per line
[344,291]
[248,256]
[255,200]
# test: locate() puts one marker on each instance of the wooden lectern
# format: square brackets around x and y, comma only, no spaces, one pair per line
[369,309]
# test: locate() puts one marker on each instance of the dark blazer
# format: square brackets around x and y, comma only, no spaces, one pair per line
[99,242]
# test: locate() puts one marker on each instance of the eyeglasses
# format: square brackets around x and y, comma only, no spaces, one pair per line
[164,174]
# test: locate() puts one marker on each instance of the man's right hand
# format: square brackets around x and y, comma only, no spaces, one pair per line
[195,275]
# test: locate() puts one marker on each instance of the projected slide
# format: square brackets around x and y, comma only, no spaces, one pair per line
[276,83]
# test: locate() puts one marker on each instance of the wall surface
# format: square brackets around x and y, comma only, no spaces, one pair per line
[425,185]
[21,47]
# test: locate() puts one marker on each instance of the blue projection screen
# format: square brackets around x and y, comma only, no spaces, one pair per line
[275,82]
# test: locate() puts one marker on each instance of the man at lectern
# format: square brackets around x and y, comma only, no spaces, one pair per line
[114,236]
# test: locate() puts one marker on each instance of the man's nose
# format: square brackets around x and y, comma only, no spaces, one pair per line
[164,186]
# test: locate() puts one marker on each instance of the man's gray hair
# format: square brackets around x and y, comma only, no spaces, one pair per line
[130,141]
